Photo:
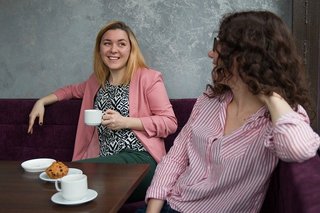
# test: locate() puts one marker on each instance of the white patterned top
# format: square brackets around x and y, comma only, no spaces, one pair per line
[114,141]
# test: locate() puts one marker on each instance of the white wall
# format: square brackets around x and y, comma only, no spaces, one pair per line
[46,44]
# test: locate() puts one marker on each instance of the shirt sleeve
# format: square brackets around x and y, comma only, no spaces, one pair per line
[293,139]
[174,163]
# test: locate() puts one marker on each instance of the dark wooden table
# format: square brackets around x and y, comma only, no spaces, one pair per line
[22,191]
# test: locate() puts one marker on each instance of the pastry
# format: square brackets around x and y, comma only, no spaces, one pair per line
[57,170]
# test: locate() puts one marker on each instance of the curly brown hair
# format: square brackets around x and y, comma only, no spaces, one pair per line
[266,56]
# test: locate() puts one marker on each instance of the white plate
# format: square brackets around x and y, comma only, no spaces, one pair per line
[58,199]
[37,165]
[45,177]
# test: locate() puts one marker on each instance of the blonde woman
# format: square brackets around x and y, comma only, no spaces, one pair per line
[137,111]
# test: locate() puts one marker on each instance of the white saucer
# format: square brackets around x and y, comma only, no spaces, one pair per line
[58,199]
[37,165]
[44,176]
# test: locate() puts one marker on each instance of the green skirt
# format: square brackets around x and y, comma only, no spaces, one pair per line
[131,157]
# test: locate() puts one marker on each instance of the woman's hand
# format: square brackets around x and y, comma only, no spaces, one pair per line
[265,99]
[113,120]
[36,112]
[276,105]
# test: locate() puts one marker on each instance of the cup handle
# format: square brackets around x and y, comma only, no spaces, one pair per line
[57,185]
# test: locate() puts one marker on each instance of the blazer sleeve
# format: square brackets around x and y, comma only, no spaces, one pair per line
[73,90]
[162,121]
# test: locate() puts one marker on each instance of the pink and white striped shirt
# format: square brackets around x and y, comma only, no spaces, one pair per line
[207,171]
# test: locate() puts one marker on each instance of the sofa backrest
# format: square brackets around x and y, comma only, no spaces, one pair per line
[182,109]
[55,138]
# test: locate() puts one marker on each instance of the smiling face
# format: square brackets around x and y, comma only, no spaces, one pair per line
[115,50]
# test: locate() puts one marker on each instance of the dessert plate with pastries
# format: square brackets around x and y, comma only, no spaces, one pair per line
[56,171]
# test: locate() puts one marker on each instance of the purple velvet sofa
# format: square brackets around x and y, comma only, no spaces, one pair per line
[294,187]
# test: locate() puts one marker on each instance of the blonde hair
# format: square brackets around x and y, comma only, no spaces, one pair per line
[135,60]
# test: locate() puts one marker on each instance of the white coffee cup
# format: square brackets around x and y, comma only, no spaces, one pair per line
[92,117]
[73,187]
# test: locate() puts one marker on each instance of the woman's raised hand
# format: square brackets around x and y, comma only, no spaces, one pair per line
[36,112]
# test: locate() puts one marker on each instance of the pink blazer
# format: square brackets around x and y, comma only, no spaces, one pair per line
[148,100]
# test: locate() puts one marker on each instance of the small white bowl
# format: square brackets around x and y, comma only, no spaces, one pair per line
[37,165]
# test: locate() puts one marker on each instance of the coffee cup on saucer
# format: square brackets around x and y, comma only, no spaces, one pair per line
[92,117]
[72,187]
